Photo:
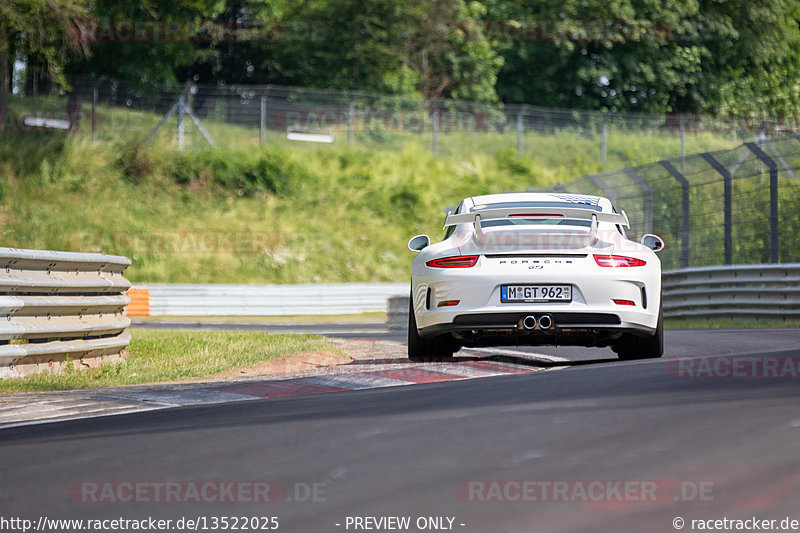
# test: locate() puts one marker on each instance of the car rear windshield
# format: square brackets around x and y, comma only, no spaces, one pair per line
[519,221]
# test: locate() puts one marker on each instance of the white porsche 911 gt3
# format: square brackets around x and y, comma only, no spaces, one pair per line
[535,269]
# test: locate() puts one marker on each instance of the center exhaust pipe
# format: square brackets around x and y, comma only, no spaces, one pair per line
[545,322]
[529,322]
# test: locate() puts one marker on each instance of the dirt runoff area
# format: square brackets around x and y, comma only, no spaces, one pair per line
[354,353]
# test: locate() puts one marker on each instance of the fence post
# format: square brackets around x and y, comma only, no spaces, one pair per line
[608,191]
[683,144]
[351,123]
[181,112]
[648,198]
[684,210]
[436,128]
[520,135]
[773,200]
[95,98]
[604,144]
[262,137]
[728,207]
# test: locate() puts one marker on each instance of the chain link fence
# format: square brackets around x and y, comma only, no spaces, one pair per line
[738,206]
[241,116]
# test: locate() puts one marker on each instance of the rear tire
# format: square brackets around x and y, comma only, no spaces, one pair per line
[631,348]
[427,349]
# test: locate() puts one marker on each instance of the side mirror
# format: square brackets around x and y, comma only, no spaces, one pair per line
[416,244]
[654,242]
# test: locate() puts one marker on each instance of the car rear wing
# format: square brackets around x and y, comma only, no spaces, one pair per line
[475,217]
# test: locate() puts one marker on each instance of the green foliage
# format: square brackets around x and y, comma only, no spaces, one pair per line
[651,56]
[142,63]
[510,161]
[135,163]
[39,30]
[628,55]
[431,48]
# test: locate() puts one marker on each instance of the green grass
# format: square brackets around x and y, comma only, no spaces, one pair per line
[360,318]
[174,355]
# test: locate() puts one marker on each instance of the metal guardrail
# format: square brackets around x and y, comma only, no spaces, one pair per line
[59,307]
[733,290]
[265,300]
[397,308]
[771,291]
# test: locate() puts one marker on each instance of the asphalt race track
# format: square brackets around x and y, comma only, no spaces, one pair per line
[710,432]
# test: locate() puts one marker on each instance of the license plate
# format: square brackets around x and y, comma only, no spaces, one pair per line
[535,293]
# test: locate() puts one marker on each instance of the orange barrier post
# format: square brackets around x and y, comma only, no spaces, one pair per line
[140,302]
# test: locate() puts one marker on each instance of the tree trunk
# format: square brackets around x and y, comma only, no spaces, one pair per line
[3,82]
[75,115]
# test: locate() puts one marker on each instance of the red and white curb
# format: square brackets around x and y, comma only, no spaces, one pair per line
[424,373]
[70,405]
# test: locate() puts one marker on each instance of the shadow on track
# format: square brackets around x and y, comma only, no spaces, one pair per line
[541,363]
[507,359]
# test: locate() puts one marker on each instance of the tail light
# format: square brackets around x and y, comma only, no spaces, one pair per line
[458,261]
[618,261]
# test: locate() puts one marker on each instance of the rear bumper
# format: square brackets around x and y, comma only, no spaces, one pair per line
[569,328]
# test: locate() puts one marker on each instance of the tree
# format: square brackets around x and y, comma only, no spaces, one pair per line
[647,55]
[42,32]
[143,44]
[432,47]
[443,42]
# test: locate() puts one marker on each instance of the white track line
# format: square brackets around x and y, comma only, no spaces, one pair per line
[517,353]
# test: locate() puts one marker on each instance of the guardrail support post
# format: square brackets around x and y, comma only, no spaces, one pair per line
[608,191]
[773,200]
[728,208]
[648,198]
[520,134]
[684,210]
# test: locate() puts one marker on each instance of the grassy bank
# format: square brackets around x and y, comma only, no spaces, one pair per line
[172,355]
[275,214]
